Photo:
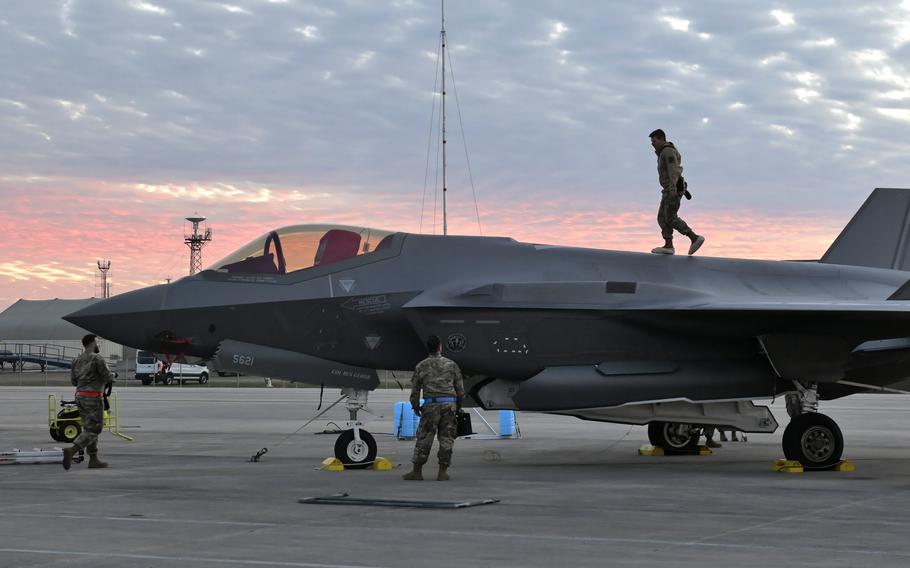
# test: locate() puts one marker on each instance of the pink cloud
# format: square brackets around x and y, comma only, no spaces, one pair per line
[53,231]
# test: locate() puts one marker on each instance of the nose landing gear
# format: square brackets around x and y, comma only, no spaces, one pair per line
[355,447]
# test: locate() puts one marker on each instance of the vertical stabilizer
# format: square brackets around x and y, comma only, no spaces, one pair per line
[878,236]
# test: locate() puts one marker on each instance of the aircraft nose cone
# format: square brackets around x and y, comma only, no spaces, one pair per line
[133,319]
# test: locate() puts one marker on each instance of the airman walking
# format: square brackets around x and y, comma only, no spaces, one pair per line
[669,172]
[90,375]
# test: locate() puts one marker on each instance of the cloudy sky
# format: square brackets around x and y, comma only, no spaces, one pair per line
[119,118]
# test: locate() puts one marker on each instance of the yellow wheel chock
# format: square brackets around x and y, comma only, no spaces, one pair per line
[334,464]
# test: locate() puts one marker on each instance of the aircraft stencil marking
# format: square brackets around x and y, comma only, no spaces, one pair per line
[457,342]
[368,305]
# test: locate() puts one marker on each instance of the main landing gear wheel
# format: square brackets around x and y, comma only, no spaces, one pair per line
[674,436]
[813,440]
[355,454]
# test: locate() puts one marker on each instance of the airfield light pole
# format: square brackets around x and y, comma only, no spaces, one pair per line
[104,266]
[196,241]
[442,38]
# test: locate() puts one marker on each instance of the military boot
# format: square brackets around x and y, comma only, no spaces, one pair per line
[443,473]
[416,474]
[68,456]
[666,249]
[697,241]
[95,463]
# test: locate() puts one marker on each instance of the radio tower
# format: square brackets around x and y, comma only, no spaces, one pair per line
[104,266]
[196,241]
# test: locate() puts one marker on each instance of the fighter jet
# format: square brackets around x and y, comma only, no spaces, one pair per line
[676,343]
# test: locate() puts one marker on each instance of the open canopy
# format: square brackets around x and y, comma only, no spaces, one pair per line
[298,247]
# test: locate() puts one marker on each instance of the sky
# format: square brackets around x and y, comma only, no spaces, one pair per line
[120,118]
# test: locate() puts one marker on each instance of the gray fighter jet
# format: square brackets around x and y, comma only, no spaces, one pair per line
[677,343]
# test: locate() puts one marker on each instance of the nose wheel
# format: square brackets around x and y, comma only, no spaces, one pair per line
[356,448]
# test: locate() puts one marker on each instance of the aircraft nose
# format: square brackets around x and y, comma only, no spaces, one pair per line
[133,318]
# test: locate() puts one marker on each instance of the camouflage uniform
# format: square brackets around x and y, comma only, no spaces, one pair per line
[437,376]
[669,168]
[90,374]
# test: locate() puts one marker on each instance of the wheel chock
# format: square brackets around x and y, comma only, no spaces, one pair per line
[649,450]
[845,466]
[655,451]
[787,466]
[382,464]
[332,464]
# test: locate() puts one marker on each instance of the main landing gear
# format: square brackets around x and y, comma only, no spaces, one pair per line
[355,447]
[811,438]
[674,436]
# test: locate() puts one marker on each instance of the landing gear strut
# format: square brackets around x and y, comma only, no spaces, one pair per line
[811,438]
[355,448]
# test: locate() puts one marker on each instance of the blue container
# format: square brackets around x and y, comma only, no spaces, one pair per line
[506,422]
[406,422]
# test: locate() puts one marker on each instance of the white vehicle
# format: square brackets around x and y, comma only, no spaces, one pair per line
[149,368]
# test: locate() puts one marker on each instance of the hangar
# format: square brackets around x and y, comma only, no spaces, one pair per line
[33,332]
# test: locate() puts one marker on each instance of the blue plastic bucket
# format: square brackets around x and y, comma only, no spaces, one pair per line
[506,422]
[406,422]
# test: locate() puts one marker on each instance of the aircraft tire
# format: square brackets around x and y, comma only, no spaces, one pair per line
[814,440]
[353,455]
[660,435]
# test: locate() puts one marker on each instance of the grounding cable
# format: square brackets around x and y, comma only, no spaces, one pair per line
[255,457]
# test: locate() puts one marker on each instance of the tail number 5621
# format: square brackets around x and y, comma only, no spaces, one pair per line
[245,360]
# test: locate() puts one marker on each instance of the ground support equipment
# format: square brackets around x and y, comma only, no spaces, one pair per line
[65,424]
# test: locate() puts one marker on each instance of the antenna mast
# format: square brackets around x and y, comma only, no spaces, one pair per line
[196,241]
[103,267]
[442,37]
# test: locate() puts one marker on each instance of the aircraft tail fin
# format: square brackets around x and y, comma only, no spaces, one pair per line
[878,236]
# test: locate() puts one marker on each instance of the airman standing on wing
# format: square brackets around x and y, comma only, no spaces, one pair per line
[443,393]
[669,171]
[90,376]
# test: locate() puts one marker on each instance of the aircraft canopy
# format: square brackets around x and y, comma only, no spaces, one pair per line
[298,247]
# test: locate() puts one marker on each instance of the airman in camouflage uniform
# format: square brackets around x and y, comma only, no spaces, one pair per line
[669,172]
[443,392]
[90,376]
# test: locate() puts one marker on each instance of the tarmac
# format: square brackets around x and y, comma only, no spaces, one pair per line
[572,493]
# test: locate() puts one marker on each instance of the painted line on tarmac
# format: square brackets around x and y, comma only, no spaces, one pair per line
[57,503]
[825,550]
[230,561]
[802,515]
[141,520]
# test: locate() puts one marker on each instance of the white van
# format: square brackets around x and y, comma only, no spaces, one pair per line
[149,368]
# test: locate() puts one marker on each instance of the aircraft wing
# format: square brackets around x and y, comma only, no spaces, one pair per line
[802,337]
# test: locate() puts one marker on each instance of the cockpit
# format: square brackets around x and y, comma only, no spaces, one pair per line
[298,247]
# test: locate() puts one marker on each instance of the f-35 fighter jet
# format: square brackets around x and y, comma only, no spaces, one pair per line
[677,343]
